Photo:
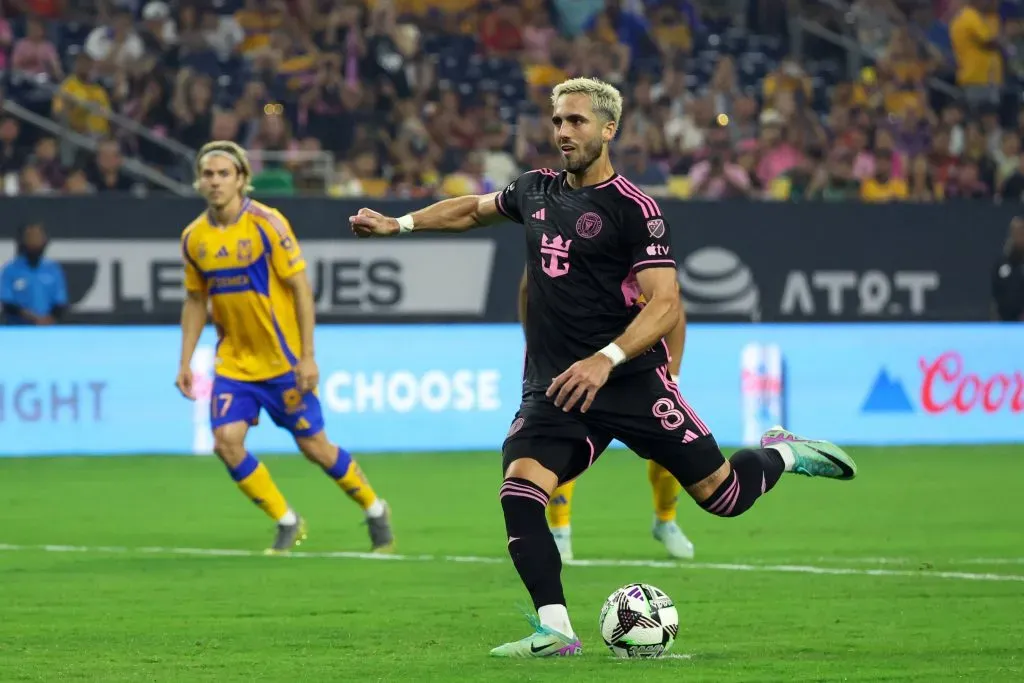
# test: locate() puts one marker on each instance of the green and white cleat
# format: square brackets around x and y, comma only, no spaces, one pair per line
[810,457]
[543,642]
[673,538]
[563,539]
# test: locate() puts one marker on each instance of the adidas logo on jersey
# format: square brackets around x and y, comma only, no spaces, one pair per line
[539,215]
[222,252]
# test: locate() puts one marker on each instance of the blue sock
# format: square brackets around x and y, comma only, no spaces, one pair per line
[340,468]
[245,468]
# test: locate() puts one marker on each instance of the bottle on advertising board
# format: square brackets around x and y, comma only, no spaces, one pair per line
[202,385]
[762,390]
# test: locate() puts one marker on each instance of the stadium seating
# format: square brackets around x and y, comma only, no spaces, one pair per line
[450,52]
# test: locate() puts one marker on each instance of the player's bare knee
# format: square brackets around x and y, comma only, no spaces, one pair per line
[704,488]
[532,471]
[229,448]
[317,449]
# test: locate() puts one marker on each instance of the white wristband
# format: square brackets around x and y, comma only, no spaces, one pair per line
[675,379]
[616,355]
[405,223]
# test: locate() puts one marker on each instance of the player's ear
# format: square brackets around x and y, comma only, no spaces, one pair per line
[608,134]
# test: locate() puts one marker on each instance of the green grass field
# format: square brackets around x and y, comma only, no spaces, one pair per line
[912,572]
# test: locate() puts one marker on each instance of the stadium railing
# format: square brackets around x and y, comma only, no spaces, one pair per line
[133,167]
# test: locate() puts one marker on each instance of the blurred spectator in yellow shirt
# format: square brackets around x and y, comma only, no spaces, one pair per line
[904,71]
[974,33]
[258,20]
[77,90]
[883,186]
[789,78]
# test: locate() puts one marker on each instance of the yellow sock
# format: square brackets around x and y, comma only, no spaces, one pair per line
[253,478]
[665,490]
[355,485]
[560,505]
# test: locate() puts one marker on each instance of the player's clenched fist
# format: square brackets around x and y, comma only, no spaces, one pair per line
[580,381]
[369,223]
[184,383]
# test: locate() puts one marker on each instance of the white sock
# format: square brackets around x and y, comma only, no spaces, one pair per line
[289,518]
[561,531]
[376,509]
[786,451]
[557,618]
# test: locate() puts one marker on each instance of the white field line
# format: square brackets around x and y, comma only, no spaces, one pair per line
[472,559]
[920,561]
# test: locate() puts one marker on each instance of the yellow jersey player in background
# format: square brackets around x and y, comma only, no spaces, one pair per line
[243,260]
[664,487]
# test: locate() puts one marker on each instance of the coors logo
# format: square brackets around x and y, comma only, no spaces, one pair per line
[949,386]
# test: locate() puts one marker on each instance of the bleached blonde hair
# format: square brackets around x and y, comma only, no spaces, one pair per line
[605,98]
[232,151]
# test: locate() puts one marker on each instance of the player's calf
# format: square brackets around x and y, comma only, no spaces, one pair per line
[737,484]
[530,543]
[750,473]
[339,465]
[252,477]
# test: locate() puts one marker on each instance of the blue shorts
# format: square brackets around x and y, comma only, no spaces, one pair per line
[237,401]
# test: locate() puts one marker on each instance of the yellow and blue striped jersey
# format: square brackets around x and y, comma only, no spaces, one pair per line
[242,267]
[258,27]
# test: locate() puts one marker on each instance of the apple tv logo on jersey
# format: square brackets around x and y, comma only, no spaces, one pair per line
[657,250]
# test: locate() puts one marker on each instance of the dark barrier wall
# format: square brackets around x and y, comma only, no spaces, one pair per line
[738,261]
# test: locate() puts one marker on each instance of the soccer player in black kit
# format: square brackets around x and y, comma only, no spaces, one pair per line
[596,367]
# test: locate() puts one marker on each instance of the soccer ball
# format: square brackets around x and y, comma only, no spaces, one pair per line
[640,621]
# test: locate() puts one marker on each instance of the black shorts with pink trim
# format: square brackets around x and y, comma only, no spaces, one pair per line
[645,411]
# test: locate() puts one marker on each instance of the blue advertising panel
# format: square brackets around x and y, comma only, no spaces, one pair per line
[866,384]
[109,390]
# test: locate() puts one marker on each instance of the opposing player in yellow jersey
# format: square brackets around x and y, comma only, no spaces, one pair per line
[664,487]
[243,261]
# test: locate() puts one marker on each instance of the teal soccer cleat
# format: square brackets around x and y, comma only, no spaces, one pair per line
[543,642]
[810,457]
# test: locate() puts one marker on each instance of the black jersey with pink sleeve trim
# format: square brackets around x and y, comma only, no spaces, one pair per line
[584,248]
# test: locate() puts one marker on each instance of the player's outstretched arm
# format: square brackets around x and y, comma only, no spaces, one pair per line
[457,214]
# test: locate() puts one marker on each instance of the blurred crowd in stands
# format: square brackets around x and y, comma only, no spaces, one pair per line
[798,100]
